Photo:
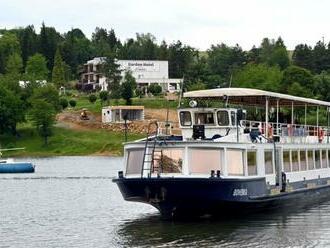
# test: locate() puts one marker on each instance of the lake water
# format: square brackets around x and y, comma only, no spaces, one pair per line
[71,202]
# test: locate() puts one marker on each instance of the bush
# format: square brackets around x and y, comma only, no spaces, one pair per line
[73,103]
[155,89]
[104,95]
[92,98]
[64,103]
[139,92]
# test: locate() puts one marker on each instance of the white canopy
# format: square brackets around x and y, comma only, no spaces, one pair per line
[254,97]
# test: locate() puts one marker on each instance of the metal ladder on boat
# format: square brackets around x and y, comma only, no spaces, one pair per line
[151,154]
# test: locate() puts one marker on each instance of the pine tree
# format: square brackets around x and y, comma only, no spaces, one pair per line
[58,74]
[112,73]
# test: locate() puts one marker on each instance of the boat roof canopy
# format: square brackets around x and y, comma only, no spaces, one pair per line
[253,97]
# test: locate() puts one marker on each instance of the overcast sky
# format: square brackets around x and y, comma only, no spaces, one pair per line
[198,23]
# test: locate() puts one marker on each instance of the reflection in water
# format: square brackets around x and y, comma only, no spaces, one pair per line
[304,228]
[71,202]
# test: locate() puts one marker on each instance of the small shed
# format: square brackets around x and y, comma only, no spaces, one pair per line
[117,114]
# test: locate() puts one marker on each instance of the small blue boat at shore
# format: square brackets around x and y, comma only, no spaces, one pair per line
[10,166]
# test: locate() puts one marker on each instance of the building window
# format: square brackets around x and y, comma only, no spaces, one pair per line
[223,118]
[235,166]
[233,117]
[269,162]
[303,161]
[185,118]
[202,161]
[252,163]
[310,154]
[286,161]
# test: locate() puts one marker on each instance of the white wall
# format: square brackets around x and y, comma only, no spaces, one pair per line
[145,68]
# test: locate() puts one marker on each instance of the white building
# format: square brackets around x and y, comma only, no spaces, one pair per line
[118,114]
[145,72]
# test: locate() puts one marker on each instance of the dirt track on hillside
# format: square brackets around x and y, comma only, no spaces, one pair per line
[71,120]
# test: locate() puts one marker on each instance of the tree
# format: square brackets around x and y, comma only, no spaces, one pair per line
[104,96]
[14,64]
[128,87]
[296,74]
[9,44]
[58,70]
[11,111]
[49,94]
[28,41]
[322,85]
[113,76]
[92,98]
[43,118]
[259,76]
[155,89]
[36,67]
[303,56]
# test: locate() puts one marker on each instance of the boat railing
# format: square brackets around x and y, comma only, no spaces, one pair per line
[285,129]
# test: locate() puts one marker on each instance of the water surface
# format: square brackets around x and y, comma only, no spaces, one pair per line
[71,202]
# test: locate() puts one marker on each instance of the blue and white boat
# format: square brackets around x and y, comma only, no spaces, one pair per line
[224,163]
[10,166]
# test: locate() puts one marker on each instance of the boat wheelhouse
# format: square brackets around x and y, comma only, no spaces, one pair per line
[225,162]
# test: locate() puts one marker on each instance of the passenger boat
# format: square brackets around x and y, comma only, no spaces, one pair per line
[224,163]
[10,166]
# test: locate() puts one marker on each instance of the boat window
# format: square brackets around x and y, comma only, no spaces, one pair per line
[303,161]
[134,162]
[286,161]
[269,162]
[252,163]
[317,159]
[204,118]
[168,161]
[202,161]
[233,117]
[294,160]
[185,118]
[324,158]
[235,165]
[310,154]
[223,118]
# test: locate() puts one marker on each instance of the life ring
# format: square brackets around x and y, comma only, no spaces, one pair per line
[320,135]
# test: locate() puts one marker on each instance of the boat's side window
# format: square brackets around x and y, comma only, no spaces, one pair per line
[303,161]
[134,162]
[328,158]
[202,161]
[252,163]
[310,154]
[185,118]
[235,166]
[286,161]
[294,160]
[317,159]
[204,118]
[324,158]
[223,118]
[269,162]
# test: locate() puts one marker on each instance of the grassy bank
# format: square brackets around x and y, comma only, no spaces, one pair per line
[66,142]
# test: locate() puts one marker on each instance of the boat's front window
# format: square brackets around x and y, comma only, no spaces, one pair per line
[204,118]
[202,161]
[223,118]
[168,161]
[134,161]
[235,162]
[185,118]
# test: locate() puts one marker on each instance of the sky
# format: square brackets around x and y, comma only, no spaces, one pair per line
[198,23]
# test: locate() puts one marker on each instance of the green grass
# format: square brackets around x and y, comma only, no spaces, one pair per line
[66,142]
